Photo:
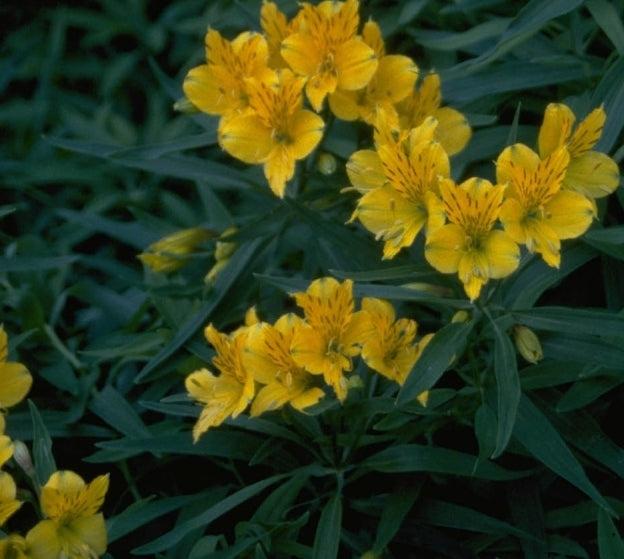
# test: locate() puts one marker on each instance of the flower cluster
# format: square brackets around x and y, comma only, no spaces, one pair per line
[476,228]
[258,84]
[291,360]
[72,527]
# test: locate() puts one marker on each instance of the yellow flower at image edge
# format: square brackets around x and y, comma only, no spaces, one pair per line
[73,527]
[276,132]
[590,173]
[15,380]
[227,394]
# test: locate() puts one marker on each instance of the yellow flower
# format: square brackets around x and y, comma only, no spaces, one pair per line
[406,198]
[267,354]
[73,528]
[219,87]
[6,449]
[15,380]
[590,173]
[8,503]
[453,130]
[277,132]
[469,244]
[327,51]
[276,28]
[13,546]
[174,251]
[390,348]
[393,81]
[227,394]
[536,211]
[330,336]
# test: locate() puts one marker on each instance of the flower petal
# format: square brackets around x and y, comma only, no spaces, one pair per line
[593,174]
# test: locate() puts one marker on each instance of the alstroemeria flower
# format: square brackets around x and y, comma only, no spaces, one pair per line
[227,394]
[391,348]
[15,380]
[393,81]
[327,51]
[267,355]
[406,199]
[453,130]
[276,28]
[537,212]
[590,173]
[219,87]
[327,341]
[276,132]
[73,528]
[8,503]
[469,244]
[14,546]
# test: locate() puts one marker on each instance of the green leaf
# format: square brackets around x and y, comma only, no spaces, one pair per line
[35,264]
[397,506]
[507,390]
[421,458]
[610,92]
[606,16]
[583,349]
[610,544]
[144,511]
[238,265]
[486,430]
[450,515]
[543,441]
[446,345]
[173,537]
[609,241]
[523,288]
[574,321]
[582,431]
[327,538]
[43,458]
[110,406]
[584,392]
[221,443]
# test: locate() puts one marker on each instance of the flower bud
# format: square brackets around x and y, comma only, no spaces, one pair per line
[327,164]
[184,106]
[527,343]
[21,455]
[430,288]
[461,316]
[172,252]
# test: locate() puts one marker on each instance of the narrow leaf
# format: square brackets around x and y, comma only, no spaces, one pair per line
[43,458]
[173,537]
[508,388]
[610,544]
[421,458]
[396,508]
[445,346]
[327,539]
[543,441]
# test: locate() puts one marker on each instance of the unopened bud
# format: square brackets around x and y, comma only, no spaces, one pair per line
[436,290]
[172,252]
[461,316]
[527,343]
[327,164]
[21,455]
[184,106]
